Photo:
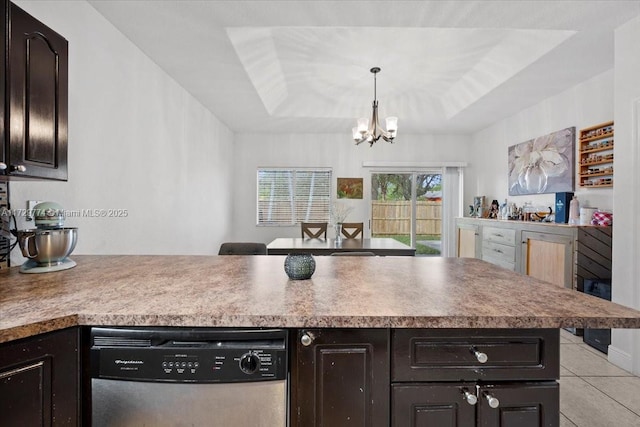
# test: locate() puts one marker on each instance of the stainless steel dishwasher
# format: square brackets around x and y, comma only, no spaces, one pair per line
[189,377]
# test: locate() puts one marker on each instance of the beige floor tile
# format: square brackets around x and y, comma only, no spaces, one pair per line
[624,390]
[565,372]
[586,406]
[565,422]
[594,351]
[566,336]
[583,362]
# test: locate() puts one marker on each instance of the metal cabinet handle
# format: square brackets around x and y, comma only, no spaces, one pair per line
[492,401]
[470,398]
[482,357]
[498,250]
[18,168]
[306,339]
[498,235]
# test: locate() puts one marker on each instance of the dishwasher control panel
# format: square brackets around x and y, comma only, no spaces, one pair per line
[214,356]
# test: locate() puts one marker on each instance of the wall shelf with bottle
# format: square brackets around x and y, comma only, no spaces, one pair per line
[596,156]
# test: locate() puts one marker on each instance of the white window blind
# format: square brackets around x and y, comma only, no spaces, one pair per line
[291,196]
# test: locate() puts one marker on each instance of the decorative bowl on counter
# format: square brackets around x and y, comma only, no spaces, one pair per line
[299,266]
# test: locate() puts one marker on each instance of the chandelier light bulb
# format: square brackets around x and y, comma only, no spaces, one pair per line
[363,125]
[392,124]
[373,132]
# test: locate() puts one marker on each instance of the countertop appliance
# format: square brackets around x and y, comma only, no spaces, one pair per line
[189,377]
[50,243]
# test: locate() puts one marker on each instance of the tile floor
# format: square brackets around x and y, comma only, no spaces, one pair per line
[593,392]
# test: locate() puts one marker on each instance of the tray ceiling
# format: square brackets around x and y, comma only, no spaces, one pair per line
[303,66]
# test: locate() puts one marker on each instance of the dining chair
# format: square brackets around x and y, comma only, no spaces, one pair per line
[314,230]
[242,248]
[351,230]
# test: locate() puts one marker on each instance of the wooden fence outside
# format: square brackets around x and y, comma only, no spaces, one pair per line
[394,217]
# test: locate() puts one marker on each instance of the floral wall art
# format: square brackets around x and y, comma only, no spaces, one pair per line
[544,164]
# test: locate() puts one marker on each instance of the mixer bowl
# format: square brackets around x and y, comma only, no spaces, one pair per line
[48,247]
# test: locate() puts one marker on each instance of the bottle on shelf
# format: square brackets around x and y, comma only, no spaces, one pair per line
[504,210]
[574,211]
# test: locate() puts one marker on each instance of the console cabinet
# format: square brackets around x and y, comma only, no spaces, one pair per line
[545,251]
[39,380]
[34,106]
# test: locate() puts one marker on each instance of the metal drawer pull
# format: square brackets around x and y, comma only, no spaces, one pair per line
[498,250]
[492,401]
[498,235]
[306,339]
[471,398]
[482,357]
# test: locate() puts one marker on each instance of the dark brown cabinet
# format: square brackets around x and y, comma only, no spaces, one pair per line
[471,404]
[432,405]
[35,98]
[535,404]
[39,380]
[475,377]
[341,378]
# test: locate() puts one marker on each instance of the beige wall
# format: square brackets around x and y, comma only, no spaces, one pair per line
[137,141]
[583,105]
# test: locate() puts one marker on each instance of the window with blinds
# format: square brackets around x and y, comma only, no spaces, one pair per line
[291,196]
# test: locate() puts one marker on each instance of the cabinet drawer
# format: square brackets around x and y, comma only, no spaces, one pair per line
[506,236]
[454,354]
[499,251]
[499,262]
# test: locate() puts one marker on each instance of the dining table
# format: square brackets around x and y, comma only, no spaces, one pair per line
[380,246]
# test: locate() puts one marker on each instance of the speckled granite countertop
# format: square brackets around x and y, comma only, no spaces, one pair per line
[254,291]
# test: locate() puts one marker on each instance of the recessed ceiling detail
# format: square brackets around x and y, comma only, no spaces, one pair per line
[323,72]
[303,66]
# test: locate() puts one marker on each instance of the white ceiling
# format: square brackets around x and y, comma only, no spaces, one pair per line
[303,66]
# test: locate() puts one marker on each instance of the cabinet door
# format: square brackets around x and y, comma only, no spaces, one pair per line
[519,405]
[341,378]
[432,405]
[468,240]
[38,92]
[39,380]
[548,257]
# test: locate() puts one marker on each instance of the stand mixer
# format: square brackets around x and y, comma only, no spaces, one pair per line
[50,243]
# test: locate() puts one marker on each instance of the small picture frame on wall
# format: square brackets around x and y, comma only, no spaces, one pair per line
[349,188]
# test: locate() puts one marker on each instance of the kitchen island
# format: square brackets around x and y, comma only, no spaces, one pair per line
[378,312]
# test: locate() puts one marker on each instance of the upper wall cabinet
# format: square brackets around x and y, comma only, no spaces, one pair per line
[35,98]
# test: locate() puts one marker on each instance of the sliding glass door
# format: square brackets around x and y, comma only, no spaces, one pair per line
[407,206]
